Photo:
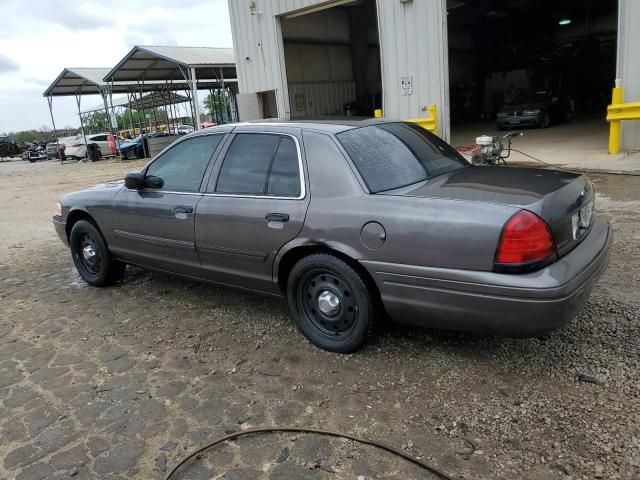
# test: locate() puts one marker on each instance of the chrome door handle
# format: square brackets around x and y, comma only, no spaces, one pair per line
[183,209]
[276,217]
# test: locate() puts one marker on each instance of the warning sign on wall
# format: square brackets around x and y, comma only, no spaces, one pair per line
[406,85]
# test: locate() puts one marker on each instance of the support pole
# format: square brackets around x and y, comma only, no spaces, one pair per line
[194,97]
[106,109]
[116,138]
[84,135]
[155,110]
[143,132]
[131,124]
[225,116]
[53,122]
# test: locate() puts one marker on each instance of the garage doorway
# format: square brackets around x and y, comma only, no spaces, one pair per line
[332,61]
[542,66]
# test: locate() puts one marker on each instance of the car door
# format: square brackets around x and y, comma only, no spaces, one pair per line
[154,225]
[101,141]
[256,201]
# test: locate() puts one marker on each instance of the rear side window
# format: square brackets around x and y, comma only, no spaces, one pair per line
[284,177]
[394,155]
[260,164]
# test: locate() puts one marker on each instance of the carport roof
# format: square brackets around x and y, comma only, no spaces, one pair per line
[150,100]
[161,63]
[78,81]
[90,81]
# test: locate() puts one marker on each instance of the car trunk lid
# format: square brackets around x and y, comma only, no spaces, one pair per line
[558,197]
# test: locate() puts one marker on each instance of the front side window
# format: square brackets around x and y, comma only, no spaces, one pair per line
[182,167]
[394,155]
[260,164]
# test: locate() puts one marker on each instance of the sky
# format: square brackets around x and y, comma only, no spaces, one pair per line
[39,38]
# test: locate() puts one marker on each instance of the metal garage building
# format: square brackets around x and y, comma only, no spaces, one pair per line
[310,58]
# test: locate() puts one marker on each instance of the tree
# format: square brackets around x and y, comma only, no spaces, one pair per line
[96,122]
[216,105]
[28,136]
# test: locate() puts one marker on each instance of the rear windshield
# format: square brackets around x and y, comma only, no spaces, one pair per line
[394,155]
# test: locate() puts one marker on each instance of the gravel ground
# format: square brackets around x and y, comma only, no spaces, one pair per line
[123,382]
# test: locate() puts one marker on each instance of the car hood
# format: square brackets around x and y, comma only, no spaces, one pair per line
[523,106]
[87,196]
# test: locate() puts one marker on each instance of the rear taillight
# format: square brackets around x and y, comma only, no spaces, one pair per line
[77,145]
[526,243]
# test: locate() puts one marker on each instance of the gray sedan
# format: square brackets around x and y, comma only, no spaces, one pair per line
[352,222]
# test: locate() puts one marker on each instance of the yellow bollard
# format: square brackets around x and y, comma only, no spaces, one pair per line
[433,116]
[614,129]
[377,113]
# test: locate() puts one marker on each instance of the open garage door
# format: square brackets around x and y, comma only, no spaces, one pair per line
[332,59]
[543,66]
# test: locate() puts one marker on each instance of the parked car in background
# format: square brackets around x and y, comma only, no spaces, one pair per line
[137,147]
[539,109]
[347,220]
[77,149]
[8,147]
[56,149]
[181,130]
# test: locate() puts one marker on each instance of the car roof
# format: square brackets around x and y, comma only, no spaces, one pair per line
[330,125]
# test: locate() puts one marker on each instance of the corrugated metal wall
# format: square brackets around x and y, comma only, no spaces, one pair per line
[412,44]
[308,99]
[629,66]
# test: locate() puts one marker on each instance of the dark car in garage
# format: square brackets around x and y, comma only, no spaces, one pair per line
[539,109]
[350,221]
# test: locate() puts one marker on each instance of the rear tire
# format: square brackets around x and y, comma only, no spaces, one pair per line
[546,121]
[330,303]
[91,256]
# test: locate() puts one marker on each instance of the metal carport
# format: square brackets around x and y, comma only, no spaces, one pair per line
[150,100]
[77,82]
[199,67]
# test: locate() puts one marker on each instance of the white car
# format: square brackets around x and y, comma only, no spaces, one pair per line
[182,130]
[75,148]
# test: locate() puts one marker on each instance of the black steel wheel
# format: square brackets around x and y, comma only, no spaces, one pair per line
[92,257]
[330,303]
[546,120]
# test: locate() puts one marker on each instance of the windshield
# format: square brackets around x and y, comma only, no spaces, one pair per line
[394,155]
[530,98]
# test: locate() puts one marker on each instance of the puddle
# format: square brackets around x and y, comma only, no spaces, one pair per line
[76,279]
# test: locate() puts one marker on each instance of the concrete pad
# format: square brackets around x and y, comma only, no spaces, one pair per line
[580,144]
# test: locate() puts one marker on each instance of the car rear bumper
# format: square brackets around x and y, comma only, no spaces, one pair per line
[517,305]
[60,226]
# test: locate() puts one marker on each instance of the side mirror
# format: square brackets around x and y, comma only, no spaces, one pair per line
[134,180]
[151,181]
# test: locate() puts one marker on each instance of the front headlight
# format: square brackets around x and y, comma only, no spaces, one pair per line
[58,209]
[531,112]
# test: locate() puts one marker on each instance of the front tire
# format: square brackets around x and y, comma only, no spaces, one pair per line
[91,256]
[330,303]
